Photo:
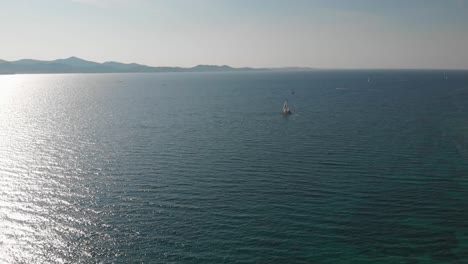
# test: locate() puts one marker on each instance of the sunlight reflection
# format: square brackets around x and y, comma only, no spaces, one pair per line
[8,85]
[41,220]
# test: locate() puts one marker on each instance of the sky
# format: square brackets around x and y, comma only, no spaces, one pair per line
[257,33]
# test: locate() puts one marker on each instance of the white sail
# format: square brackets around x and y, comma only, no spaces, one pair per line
[286,108]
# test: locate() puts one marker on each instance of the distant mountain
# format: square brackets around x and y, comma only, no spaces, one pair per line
[77,65]
[26,62]
[77,62]
[293,69]
[134,67]
[211,68]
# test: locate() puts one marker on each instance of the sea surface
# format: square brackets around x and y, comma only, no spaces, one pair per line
[371,167]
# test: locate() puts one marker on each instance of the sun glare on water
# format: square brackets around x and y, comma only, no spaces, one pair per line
[8,85]
[34,189]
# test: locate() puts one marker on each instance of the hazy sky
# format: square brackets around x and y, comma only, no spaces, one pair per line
[259,33]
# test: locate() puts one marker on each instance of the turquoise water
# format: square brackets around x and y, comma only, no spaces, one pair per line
[203,168]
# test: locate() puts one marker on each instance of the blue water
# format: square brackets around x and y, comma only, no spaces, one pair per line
[203,168]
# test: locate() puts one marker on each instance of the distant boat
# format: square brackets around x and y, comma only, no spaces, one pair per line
[286,110]
[445,76]
[368,79]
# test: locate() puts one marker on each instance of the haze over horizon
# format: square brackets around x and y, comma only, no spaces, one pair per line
[255,33]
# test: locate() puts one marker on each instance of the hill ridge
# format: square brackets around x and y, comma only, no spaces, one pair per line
[78,65]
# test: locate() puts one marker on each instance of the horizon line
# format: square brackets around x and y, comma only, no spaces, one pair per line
[240,67]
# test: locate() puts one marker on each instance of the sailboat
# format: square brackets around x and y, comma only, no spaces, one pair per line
[286,110]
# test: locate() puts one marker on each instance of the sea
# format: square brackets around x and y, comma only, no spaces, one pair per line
[370,167]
